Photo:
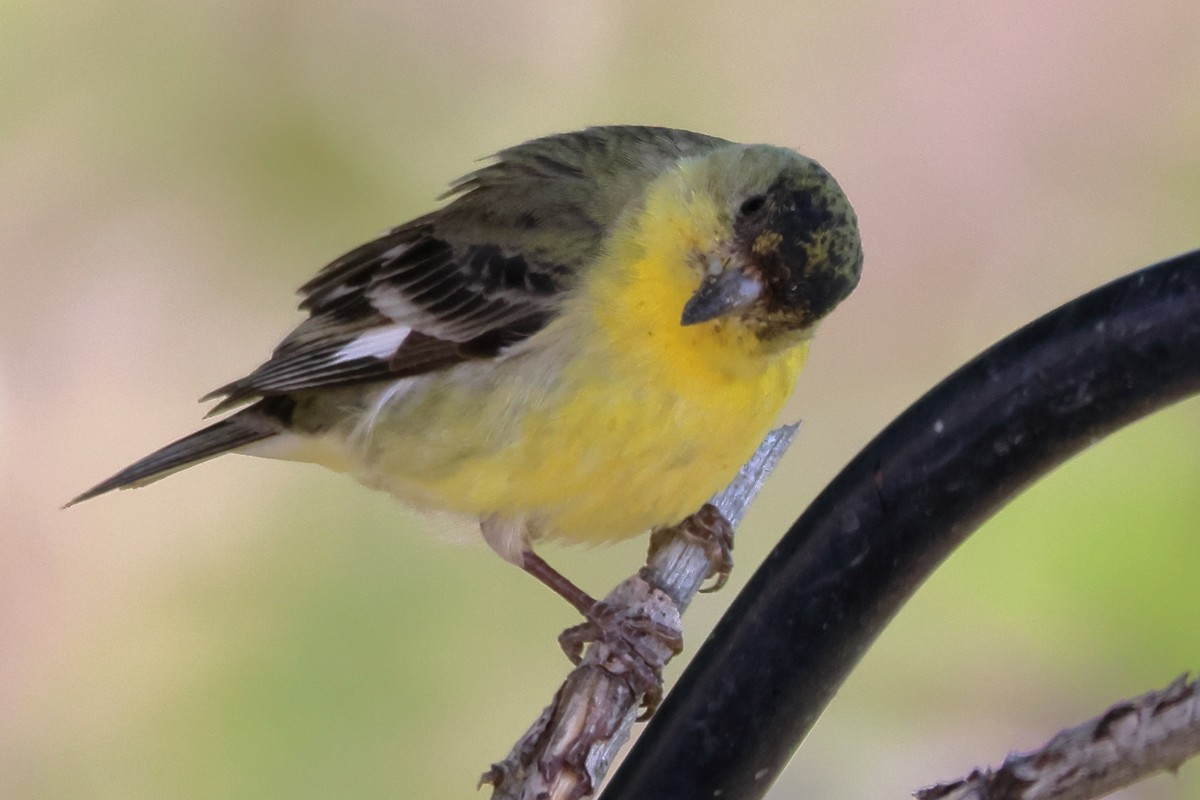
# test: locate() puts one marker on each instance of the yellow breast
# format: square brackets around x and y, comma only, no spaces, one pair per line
[619,419]
[647,418]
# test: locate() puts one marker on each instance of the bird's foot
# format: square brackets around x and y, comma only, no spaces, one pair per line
[709,529]
[632,642]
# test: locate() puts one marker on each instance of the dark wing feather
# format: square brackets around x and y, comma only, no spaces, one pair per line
[475,277]
[413,303]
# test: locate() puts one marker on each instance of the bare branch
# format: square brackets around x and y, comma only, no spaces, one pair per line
[1132,740]
[566,753]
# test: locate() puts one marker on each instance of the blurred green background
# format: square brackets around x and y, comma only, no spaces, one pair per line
[169,172]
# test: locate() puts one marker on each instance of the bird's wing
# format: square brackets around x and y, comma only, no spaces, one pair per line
[411,301]
[482,273]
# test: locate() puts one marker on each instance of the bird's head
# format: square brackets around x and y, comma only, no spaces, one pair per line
[790,249]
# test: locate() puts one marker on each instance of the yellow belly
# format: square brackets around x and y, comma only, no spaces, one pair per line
[597,458]
[620,457]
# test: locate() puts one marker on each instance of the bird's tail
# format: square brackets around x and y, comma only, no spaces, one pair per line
[260,421]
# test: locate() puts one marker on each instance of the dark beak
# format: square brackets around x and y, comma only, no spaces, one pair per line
[727,291]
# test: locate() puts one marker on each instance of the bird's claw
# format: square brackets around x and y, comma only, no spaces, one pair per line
[709,529]
[632,644]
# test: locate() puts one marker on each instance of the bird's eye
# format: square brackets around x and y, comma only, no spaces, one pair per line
[752,205]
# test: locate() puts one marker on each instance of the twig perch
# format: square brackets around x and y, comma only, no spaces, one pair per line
[1132,740]
[566,753]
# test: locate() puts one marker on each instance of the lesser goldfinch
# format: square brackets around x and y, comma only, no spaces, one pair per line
[584,344]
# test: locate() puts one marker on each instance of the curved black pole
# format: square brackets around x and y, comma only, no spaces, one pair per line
[888,519]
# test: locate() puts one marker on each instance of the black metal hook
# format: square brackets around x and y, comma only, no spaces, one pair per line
[896,511]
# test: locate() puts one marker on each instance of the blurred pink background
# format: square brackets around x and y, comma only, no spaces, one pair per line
[169,173]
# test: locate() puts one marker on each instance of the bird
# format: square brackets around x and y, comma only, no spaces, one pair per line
[583,344]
